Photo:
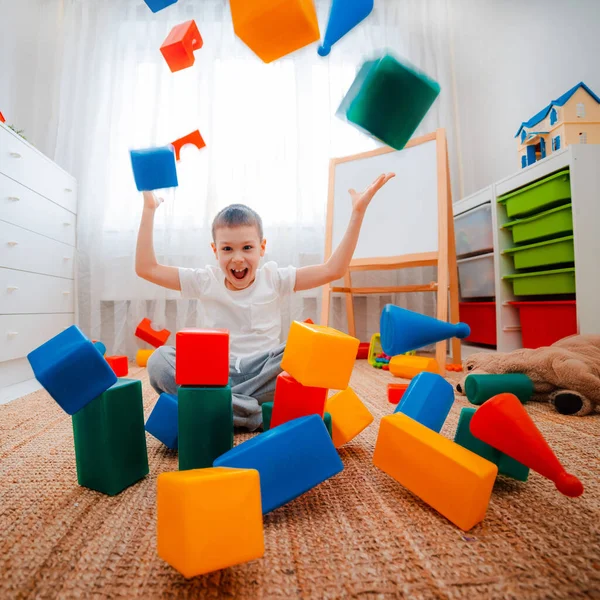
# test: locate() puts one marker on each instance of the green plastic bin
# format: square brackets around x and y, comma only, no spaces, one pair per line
[542,283]
[552,223]
[543,254]
[541,195]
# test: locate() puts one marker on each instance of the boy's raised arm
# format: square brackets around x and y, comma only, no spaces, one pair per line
[337,264]
[146,265]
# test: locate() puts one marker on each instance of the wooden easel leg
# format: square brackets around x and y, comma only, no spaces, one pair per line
[325,304]
[349,305]
[454,304]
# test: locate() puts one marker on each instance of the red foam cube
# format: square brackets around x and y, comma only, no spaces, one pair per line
[294,400]
[154,337]
[178,48]
[202,357]
[119,364]
[363,350]
[193,138]
[396,391]
[2,119]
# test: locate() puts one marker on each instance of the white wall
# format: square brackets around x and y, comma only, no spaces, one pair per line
[511,58]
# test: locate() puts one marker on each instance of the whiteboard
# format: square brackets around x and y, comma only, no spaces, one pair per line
[403,216]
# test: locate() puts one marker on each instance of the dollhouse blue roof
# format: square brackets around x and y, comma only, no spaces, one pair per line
[560,101]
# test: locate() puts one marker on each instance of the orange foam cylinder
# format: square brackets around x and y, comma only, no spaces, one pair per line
[178,49]
[503,423]
[451,479]
[193,138]
[408,367]
[142,356]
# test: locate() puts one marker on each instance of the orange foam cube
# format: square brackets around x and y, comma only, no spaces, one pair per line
[319,356]
[119,364]
[154,337]
[193,138]
[451,479]
[408,367]
[178,49]
[142,356]
[209,519]
[349,416]
[274,28]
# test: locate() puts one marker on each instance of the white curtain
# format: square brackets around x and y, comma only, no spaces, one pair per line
[270,132]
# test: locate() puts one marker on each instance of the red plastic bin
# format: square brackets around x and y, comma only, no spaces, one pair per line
[481,318]
[543,323]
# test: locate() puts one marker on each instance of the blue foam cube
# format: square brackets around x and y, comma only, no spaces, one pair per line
[291,459]
[71,369]
[428,400]
[154,168]
[156,5]
[163,420]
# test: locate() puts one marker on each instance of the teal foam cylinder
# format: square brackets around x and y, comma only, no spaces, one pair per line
[344,16]
[480,388]
[403,330]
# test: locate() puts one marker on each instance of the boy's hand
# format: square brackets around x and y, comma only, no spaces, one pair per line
[360,201]
[151,201]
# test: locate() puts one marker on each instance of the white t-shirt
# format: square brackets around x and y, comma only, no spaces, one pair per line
[252,315]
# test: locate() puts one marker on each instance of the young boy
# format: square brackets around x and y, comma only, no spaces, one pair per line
[242,297]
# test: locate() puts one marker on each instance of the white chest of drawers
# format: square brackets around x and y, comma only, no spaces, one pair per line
[38,218]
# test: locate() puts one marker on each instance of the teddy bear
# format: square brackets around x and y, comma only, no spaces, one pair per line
[567,373]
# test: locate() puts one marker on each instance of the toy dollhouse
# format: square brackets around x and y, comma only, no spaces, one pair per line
[573,118]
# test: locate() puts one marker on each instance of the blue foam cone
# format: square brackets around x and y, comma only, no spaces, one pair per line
[404,330]
[344,16]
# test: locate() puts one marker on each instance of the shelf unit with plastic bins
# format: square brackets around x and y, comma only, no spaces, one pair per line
[583,163]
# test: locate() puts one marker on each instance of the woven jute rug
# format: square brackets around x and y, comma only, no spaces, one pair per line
[358,535]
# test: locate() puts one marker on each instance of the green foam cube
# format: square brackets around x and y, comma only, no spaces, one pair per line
[110,439]
[205,417]
[388,100]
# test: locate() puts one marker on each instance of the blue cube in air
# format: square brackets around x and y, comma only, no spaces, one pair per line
[156,5]
[71,369]
[427,400]
[154,168]
[290,459]
[163,421]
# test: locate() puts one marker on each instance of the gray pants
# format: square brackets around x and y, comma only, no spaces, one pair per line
[252,382]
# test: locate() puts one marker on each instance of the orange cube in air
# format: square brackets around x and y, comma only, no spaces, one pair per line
[154,337]
[194,138]
[178,49]
[209,519]
[119,364]
[294,400]
[274,28]
[349,416]
[202,357]
[451,479]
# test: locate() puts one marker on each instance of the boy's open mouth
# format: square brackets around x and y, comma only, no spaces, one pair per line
[240,274]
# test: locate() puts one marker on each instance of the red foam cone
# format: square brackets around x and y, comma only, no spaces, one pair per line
[503,423]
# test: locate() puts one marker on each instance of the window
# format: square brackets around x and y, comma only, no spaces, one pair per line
[523,136]
[523,161]
[580,110]
[556,143]
[553,116]
[583,137]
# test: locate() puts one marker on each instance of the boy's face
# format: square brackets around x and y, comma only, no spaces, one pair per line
[238,251]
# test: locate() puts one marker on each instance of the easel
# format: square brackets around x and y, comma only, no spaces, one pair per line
[444,258]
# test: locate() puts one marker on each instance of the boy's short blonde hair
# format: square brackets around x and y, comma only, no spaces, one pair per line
[236,215]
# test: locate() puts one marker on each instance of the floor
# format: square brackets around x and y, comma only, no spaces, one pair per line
[357,535]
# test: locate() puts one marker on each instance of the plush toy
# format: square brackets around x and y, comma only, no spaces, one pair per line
[567,374]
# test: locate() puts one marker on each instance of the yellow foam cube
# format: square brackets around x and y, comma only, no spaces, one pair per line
[319,356]
[209,519]
[142,356]
[274,28]
[451,479]
[349,416]
[408,367]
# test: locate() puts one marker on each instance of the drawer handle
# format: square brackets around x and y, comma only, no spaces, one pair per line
[13,243]
[65,293]
[12,288]
[15,155]
[66,223]
[12,333]
[13,198]
[68,190]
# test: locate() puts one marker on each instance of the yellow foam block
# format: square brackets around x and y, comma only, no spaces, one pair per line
[349,416]
[408,367]
[142,356]
[319,356]
[451,479]
[209,519]
[274,28]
